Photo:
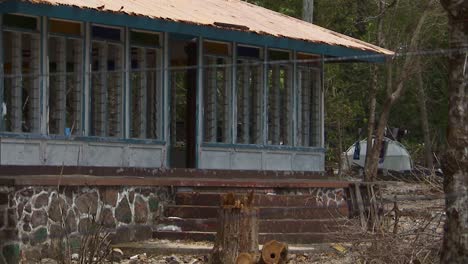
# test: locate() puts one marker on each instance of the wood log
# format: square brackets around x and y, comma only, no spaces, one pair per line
[274,252]
[246,258]
[237,230]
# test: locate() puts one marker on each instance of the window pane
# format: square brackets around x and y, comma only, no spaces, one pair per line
[65,85]
[65,27]
[217,87]
[144,39]
[106,33]
[145,93]
[249,52]
[308,105]
[106,90]
[249,101]
[18,21]
[279,100]
[21,102]
[216,48]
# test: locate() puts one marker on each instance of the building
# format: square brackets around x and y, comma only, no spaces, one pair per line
[212,84]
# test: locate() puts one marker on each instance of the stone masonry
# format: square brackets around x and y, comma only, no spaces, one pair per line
[33,219]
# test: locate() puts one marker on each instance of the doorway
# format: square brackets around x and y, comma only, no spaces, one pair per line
[183,106]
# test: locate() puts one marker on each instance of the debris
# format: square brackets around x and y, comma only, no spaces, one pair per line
[117,255]
[172,228]
[340,248]
[173,260]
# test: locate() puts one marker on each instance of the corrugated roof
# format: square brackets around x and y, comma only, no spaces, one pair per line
[247,17]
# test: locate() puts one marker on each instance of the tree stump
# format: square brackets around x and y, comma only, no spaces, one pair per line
[237,230]
[274,252]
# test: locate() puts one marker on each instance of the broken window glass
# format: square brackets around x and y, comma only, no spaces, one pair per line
[65,82]
[21,99]
[279,104]
[217,92]
[106,88]
[309,87]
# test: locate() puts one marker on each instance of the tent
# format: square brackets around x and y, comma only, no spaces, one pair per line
[394,156]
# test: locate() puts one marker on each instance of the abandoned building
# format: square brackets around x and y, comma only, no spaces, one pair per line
[164,84]
[206,85]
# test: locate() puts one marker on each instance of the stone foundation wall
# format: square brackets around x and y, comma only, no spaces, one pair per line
[33,219]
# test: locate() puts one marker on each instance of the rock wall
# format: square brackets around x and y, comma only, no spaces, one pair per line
[34,219]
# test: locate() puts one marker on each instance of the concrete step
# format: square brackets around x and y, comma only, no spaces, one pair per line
[293,238]
[203,212]
[261,200]
[165,247]
[265,226]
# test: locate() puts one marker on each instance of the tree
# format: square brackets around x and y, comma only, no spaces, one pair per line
[455,163]
[308,11]
[374,140]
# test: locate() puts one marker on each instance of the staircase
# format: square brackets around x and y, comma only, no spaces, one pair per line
[291,218]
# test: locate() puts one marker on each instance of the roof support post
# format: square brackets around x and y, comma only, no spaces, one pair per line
[322,103]
[44,77]
[234,94]
[126,89]
[2,76]
[199,99]
[166,134]
[294,100]
[264,132]
[87,79]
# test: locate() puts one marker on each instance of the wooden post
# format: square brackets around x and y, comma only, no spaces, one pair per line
[237,231]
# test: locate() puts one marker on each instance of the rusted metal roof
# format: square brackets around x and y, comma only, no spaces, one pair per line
[232,14]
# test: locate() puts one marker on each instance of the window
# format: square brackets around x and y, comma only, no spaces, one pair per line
[145,80]
[249,95]
[217,91]
[309,86]
[66,78]
[21,99]
[279,104]
[106,82]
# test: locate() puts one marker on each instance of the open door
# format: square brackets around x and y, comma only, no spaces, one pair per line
[183,106]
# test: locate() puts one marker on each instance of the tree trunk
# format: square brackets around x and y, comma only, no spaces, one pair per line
[372,161]
[455,162]
[237,230]
[428,159]
[371,124]
[308,10]
[369,176]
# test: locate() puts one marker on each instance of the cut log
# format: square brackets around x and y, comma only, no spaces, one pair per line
[246,258]
[237,229]
[274,252]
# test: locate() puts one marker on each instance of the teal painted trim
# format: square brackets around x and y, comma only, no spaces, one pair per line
[263,147]
[2,76]
[36,136]
[140,22]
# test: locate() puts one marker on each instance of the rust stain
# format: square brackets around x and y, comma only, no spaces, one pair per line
[208,12]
